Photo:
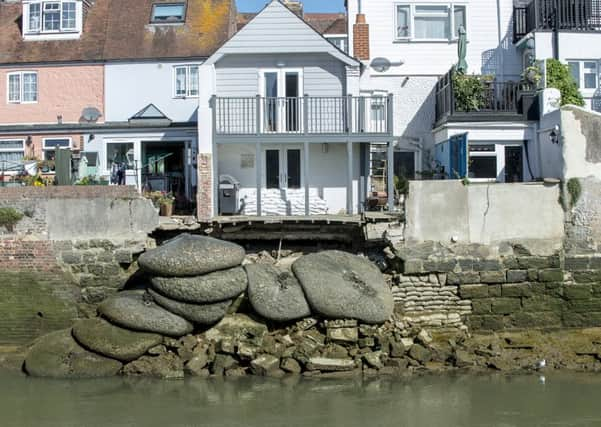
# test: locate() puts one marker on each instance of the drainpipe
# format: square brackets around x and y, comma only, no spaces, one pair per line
[555,30]
[501,70]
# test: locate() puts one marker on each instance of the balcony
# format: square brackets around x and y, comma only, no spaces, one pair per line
[484,100]
[329,119]
[563,15]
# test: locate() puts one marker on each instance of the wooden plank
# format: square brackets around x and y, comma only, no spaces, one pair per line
[390,184]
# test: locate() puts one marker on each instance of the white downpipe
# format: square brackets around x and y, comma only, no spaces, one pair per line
[500,37]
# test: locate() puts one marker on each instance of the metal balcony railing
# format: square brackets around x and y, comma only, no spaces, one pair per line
[567,15]
[493,99]
[308,115]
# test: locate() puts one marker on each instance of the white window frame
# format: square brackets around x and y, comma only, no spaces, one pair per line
[581,81]
[12,150]
[40,30]
[53,148]
[174,3]
[337,37]
[412,14]
[21,87]
[188,74]
[281,83]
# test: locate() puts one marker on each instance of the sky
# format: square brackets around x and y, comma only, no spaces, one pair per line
[310,5]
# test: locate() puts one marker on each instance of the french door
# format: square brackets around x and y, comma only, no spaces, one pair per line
[283,167]
[281,90]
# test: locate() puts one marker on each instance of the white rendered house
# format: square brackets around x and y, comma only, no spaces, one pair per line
[284,118]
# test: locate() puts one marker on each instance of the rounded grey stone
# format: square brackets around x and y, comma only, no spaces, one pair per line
[208,288]
[57,355]
[191,255]
[340,285]
[202,314]
[112,341]
[137,311]
[276,294]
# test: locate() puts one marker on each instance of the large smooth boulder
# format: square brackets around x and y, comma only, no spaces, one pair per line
[276,294]
[57,355]
[137,311]
[112,341]
[201,314]
[340,285]
[208,288]
[191,255]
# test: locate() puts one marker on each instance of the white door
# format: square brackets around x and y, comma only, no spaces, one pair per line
[281,90]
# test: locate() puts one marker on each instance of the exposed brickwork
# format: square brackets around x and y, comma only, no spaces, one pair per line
[35,255]
[205,186]
[361,38]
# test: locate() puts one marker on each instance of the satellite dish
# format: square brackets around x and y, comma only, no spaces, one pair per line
[90,114]
[381,65]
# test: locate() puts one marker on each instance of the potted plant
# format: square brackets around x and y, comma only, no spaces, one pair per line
[166,204]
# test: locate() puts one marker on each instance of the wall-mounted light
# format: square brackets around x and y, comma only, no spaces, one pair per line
[554,137]
[280,64]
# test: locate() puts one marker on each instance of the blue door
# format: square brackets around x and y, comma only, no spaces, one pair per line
[451,156]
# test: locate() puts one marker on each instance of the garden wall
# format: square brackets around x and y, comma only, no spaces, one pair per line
[73,246]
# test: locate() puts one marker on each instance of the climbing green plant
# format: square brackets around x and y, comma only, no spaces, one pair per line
[469,91]
[9,217]
[560,77]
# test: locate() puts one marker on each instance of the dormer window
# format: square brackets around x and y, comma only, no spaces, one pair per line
[168,13]
[52,19]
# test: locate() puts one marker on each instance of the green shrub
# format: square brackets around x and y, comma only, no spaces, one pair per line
[469,92]
[9,217]
[560,77]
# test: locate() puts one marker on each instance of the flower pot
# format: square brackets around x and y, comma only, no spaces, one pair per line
[31,167]
[166,209]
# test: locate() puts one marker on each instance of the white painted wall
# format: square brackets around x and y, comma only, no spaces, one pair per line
[327,174]
[129,87]
[483,213]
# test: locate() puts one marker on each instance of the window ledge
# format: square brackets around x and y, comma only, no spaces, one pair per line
[167,24]
[438,41]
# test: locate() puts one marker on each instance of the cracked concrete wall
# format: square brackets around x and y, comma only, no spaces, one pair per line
[581,142]
[443,211]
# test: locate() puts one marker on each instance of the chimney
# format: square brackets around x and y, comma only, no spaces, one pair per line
[295,6]
[361,38]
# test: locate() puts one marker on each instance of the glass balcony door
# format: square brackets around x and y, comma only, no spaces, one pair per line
[281,90]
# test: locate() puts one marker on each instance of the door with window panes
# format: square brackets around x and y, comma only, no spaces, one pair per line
[282,171]
[281,91]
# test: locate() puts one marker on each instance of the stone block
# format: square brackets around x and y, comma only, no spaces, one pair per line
[123,256]
[492,277]
[524,320]
[465,264]
[587,276]
[495,290]
[584,305]
[328,364]
[482,306]
[517,276]
[420,353]
[439,265]
[265,364]
[516,289]
[71,257]
[486,322]
[343,334]
[510,263]
[542,303]
[488,265]
[533,274]
[595,263]
[466,277]
[575,292]
[580,320]
[473,291]
[291,366]
[550,275]
[576,263]
[341,323]
[96,269]
[506,305]
[537,262]
[412,266]
[366,342]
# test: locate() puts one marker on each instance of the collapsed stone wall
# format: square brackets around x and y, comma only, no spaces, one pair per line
[66,254]
[502,288]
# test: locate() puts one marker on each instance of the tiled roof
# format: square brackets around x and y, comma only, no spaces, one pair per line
[324,23]
[121,29]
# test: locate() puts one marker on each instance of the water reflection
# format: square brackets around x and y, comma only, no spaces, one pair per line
[427,401]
